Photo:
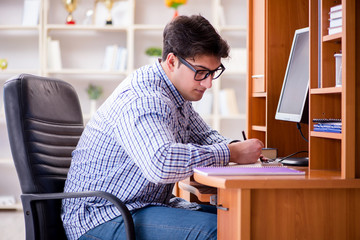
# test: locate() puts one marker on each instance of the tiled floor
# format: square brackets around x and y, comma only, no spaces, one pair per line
[12,225]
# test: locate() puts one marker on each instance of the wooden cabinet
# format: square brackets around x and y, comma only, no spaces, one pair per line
[335,151]
[272,24]
[329,151]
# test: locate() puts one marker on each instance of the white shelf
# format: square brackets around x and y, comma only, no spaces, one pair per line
[51,27]
[234,28]
[18,71]
[83,46]
[233,117]
[16,206]
[6,161]
[149,27]
[19,27]
[86,72]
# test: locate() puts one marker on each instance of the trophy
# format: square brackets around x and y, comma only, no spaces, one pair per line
[109,4]
[70,6]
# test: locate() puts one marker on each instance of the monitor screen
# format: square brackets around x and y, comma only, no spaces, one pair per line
[293,101]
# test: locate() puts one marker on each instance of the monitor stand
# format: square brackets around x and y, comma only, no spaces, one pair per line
[300,161]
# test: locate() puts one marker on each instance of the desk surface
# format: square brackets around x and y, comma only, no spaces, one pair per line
[318,199]
[312,179]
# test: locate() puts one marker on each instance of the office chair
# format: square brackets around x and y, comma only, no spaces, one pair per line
[44,122]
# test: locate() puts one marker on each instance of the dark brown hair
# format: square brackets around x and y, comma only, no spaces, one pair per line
[192,36]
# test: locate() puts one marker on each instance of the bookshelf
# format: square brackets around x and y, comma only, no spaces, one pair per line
[268,53]
[334,151]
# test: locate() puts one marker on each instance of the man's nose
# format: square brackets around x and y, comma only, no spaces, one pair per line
[207,82]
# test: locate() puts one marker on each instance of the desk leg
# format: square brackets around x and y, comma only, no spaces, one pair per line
[231,224]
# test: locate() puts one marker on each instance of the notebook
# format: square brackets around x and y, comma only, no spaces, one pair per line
[247,170]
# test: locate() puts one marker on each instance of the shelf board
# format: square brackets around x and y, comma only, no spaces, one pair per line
[259,94]
[19,27]
[6,161]
[8,72]
[329,90]
[332,37]
[75,27]
[233,28]
[233,117]
[234,72]
[15,206]
[156,27]
[326,135]
[259,128]
[86,72]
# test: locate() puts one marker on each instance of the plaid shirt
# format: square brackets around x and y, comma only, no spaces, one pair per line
[143,139]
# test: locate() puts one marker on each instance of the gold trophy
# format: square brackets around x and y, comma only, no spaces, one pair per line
[70,6]
[109,4]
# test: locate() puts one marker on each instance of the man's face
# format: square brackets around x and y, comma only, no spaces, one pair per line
[183,77]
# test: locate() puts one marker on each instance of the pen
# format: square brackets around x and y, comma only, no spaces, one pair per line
[244,135]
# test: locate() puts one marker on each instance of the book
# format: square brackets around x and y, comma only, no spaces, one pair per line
[335,14]
[336,22]
[334,30]
[336,8]
[115,58]
[334,127]
[247,170]
[54,54]
[31,13]
[121,58]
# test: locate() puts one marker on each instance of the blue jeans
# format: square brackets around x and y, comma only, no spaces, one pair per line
[157,222]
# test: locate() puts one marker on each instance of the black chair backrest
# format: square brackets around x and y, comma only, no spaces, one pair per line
[44,122]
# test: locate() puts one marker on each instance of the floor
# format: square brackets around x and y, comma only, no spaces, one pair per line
[12,225]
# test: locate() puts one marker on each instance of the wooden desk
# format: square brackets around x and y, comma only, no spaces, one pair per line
[319,205]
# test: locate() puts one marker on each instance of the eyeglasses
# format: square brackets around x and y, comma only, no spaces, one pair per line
[203,74]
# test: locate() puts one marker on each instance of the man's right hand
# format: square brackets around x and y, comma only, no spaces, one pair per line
[245,152]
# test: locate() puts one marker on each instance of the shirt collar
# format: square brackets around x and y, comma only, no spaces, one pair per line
[168,85]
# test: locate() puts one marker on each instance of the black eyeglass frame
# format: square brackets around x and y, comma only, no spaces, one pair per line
[209,72]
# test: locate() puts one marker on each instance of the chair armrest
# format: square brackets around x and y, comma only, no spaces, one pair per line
[27,199]
[202,192]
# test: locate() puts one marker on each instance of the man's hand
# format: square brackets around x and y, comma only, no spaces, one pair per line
[245,152]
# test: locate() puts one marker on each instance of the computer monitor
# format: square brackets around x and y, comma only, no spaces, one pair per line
[293,101]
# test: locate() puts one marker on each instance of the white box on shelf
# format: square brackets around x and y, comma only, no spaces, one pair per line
[54,54]
[31,13]
[338,69]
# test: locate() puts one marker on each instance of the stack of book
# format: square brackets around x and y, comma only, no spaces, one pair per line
[115,58]
[327,125]
[335,19]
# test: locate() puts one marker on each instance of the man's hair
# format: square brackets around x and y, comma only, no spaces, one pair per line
[193,36]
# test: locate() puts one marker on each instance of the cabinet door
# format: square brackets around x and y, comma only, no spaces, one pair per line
[257,44]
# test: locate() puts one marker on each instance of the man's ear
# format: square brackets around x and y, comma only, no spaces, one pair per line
[171,61]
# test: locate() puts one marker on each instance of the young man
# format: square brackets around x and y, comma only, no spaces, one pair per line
[146,137]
